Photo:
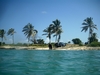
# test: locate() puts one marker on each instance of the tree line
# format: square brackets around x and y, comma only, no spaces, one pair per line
[55,30]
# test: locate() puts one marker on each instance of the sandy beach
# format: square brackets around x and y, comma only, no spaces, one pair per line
[60,48]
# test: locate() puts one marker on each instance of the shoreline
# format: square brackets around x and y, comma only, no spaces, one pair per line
[41,48]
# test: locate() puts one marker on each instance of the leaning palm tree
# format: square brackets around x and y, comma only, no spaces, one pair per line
[88,24]
[2,34]
[57,29]
[29,31]
[11,32]
[48,32]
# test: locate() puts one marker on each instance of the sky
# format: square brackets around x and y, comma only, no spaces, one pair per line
[40,13]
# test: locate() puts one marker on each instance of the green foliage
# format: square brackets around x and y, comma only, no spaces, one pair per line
[93,38]
[95,44]
[88,24]
[2,34]
[39,45]
[11,32]
[69,42]
[48,32]
[2,43]
[81,44]
[29,31]
[40,41]
[57,30]
[77,41]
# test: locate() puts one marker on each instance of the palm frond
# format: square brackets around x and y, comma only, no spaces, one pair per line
[54,35]
[94,26]
[29,31]
[11,31]
[84,23]
[85,28]
[45,34]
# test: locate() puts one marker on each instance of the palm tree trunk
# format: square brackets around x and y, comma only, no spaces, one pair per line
[2,40]
[56,39]
[49,40]
[90,34]
[28,41]
[59,38]
[13,38]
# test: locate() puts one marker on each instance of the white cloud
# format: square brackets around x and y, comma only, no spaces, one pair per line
[43,12]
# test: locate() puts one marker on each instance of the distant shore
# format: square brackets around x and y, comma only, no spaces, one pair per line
[40,48]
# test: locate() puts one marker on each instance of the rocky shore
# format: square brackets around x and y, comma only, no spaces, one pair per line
[60,48]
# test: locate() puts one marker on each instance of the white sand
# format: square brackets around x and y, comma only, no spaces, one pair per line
[60,48]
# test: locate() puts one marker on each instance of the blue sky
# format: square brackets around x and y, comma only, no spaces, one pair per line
[40,13]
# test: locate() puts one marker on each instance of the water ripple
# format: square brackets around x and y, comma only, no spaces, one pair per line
[33,62]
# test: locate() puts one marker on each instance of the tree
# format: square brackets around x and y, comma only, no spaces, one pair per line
[2,34]
[69,42]
[88,24]
[93,38]
[76,41]
[29,31]
[57,30]
[40,41]
[48,32]
[11,32]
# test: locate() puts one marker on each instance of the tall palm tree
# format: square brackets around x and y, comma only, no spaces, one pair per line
[88,24]
[29,31]
[57,29]
[11,32]
[48,32]
[2,34]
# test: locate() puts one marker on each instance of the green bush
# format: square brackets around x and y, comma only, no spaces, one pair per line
[80,44]
[2,43]
[95,44]
[39,45]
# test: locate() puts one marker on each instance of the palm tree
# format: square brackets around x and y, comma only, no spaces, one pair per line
[88,24]
[48,32]
[57,29]
[29,31]
[2,34]
[11,32]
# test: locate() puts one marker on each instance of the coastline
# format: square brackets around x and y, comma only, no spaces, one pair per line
[41,48]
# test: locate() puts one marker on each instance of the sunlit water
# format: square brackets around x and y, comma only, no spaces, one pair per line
[49,62]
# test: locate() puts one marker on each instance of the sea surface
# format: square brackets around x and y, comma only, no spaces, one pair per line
[49,62]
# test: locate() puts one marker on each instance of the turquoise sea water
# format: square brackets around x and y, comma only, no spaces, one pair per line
[49,62]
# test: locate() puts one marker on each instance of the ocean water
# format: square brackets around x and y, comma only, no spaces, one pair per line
[49,62]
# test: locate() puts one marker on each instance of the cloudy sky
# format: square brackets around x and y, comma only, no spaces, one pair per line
[40,13]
